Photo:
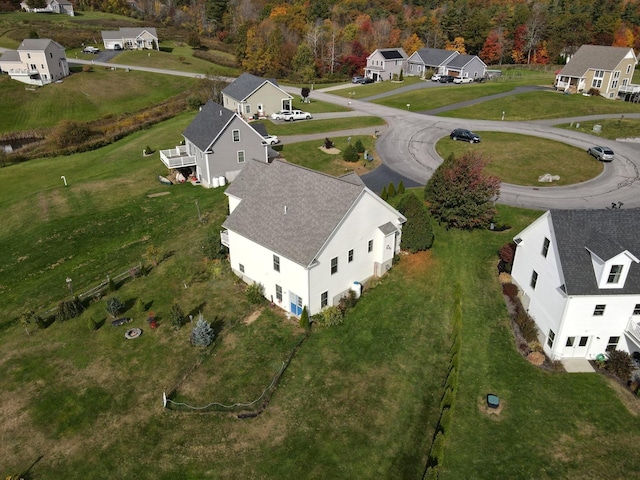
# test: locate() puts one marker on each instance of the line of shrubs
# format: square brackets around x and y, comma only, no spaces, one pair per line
[436,452]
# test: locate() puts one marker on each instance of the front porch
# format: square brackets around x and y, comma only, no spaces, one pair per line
[177,157]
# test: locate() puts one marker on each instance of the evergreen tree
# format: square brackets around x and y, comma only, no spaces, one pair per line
[304,318]
[114,306]
[417,233]
[176,315]
[384,194]
[391,190]
[202,334]
[359,146]
[350,154]
[401,188]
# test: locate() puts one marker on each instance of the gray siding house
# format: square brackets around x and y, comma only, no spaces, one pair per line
[131,38]
[383,63]
[217,145]
[250,95]
[427,61]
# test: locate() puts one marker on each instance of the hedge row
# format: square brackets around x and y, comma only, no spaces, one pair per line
[436,453]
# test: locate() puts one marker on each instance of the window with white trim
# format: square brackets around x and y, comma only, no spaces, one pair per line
[636,309]
[545,247]
[550,338]
[628,69]
[247,109]
[240,156]
[276,263]
[324,299]
[236,135]
[370,246]
[534,279]
[612,344]
[599,310]
[350,255]
[334,265]
[279,293]
[241,268]
[614,274]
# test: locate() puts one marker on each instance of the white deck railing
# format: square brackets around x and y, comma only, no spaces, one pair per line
[224,238]
[177,157]
[633,330]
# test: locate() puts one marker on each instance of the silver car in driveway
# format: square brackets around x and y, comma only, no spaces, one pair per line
[604,154]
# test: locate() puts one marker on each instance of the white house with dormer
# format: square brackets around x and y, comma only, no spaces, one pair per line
[307,237]
[36,62]
[578,272]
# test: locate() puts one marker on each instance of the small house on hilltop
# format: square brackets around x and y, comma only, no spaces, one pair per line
[250,95]
[307,237]
[217,145]
[36,62]
[51,6]
[609,70]
[578,272]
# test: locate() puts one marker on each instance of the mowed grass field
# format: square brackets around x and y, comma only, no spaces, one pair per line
[532,158]
[84,96]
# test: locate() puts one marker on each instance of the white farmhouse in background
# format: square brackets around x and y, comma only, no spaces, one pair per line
[36,62]
[579,276]
[307,237]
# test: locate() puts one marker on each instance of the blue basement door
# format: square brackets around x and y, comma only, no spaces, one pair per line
[296,304]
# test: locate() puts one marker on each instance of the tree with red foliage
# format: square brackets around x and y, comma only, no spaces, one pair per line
[518,53]
[491,52]
[354,62]
[461,194]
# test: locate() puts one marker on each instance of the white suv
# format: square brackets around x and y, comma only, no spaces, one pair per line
[296,115]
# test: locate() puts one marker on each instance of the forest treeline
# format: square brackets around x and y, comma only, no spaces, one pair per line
[326,38]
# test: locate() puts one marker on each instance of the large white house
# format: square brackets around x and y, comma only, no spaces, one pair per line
[217,145]
[307,237]
[579,276]
[36,62]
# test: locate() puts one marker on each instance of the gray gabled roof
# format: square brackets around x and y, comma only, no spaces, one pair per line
[603,232]
[207,125]
[289,209]
[127,32]
[460,61]
[10,56]
[434,57]
[37,44]
[598,57]
[246,84]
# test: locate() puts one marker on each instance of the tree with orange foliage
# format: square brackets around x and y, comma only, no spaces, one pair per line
[623,37]
[412,44]
[457,45]
[541,56]
[492,50]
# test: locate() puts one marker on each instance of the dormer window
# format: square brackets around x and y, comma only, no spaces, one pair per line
[614,274]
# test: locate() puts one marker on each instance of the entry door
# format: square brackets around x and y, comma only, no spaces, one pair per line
[296,304]
[576,347]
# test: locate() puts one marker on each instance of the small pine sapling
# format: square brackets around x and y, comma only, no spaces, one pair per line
[114,306]
[384,195]
[392,190]
[202,334]
[304,318]
[401,188]
[359,146]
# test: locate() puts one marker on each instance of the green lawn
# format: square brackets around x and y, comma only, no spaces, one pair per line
[362,91]
[316,106]
[84,96]
[430,98]
[532,158]
[314,126]
[173,56]
[309,154]
[540,106]
[611,129]
[365,395]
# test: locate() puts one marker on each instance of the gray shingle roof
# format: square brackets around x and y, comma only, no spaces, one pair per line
[127,32]
[10,56]
[207,125]
[598,57]
[434,57]
[245,85]
[289,209]
[37,44]
[460,61]
[606,233]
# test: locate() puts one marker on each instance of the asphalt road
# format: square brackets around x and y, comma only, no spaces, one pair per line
[407,149]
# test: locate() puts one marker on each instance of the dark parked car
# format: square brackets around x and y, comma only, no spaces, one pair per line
[365,80]
[446,79]
[604,154]
[465,135]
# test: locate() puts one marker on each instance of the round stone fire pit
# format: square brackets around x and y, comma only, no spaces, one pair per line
[132,333]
